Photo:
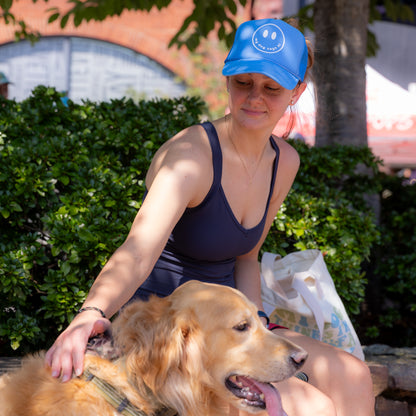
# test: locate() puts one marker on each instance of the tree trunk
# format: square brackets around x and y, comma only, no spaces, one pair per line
[339,71]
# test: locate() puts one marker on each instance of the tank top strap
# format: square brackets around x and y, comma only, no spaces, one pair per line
[274,175]
[216,152]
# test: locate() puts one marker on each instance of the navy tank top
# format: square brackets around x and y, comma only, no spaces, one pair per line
[206,240]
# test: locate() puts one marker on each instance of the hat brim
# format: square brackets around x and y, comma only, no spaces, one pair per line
[270,69]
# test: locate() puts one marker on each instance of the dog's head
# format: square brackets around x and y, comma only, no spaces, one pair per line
[203,345]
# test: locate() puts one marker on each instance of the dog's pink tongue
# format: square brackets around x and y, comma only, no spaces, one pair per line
[272,399]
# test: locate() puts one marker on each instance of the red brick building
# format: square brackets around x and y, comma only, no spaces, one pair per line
[143,32]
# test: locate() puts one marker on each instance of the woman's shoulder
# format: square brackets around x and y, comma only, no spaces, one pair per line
[189,141]
[187,151]
[288,154]
[288,167]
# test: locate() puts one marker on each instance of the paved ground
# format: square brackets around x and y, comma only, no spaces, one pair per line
[7,364]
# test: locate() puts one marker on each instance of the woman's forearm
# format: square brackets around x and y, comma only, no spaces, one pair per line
[247,278]
[123,274]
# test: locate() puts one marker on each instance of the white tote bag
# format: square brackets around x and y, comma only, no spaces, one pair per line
[298,293]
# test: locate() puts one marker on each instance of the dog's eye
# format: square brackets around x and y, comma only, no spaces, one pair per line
[243,326]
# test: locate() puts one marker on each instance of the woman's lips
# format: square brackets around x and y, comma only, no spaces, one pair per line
[252,112]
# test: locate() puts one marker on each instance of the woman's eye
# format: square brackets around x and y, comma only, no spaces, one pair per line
[243,326]
[272,90]
[242,83]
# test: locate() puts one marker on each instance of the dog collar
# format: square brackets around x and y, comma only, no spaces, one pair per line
[120,403]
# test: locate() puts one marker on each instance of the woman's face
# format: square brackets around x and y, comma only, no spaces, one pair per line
[258,101]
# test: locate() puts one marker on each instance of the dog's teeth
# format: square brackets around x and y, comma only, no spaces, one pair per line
[262,396]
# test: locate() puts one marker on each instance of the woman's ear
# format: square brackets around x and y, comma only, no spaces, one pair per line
[297,92]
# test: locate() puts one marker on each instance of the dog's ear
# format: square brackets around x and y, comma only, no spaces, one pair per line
[134,326]
[164,348]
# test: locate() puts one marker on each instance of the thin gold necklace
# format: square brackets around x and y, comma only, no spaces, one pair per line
[250,177]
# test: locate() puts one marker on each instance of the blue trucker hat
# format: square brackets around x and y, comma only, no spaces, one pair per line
[270,47]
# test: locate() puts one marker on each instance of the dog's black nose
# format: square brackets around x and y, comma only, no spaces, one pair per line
[298,358]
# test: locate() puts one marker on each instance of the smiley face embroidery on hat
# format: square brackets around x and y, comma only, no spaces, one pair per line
[268,38]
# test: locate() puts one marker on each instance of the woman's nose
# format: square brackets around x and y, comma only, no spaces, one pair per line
[255,93]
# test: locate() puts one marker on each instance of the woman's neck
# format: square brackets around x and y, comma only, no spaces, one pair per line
[250,143]
[250,146]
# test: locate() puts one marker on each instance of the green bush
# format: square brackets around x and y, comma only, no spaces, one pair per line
[71,183]
[326,209]
[390,316]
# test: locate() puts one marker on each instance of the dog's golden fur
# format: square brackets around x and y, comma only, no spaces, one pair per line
[177,352]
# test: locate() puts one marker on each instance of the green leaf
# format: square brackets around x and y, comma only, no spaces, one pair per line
[15,344]
[4,212]
[6,4]
[53,17]
[64,179]
[15,206]
[64,20]
[66,268]
[232,6]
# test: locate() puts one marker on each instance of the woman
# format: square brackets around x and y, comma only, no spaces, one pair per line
[213,192]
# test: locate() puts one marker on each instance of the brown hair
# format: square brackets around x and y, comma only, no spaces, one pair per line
[308,77]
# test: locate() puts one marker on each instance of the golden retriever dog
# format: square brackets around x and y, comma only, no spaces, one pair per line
[193,353]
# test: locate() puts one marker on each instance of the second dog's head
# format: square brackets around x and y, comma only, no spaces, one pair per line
[204,345]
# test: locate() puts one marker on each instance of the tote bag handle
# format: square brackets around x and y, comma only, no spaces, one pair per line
[267,267]
[299,284]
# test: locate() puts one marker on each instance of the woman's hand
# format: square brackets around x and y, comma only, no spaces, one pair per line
[68,350]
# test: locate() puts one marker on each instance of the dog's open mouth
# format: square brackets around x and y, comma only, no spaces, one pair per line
[256,394]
